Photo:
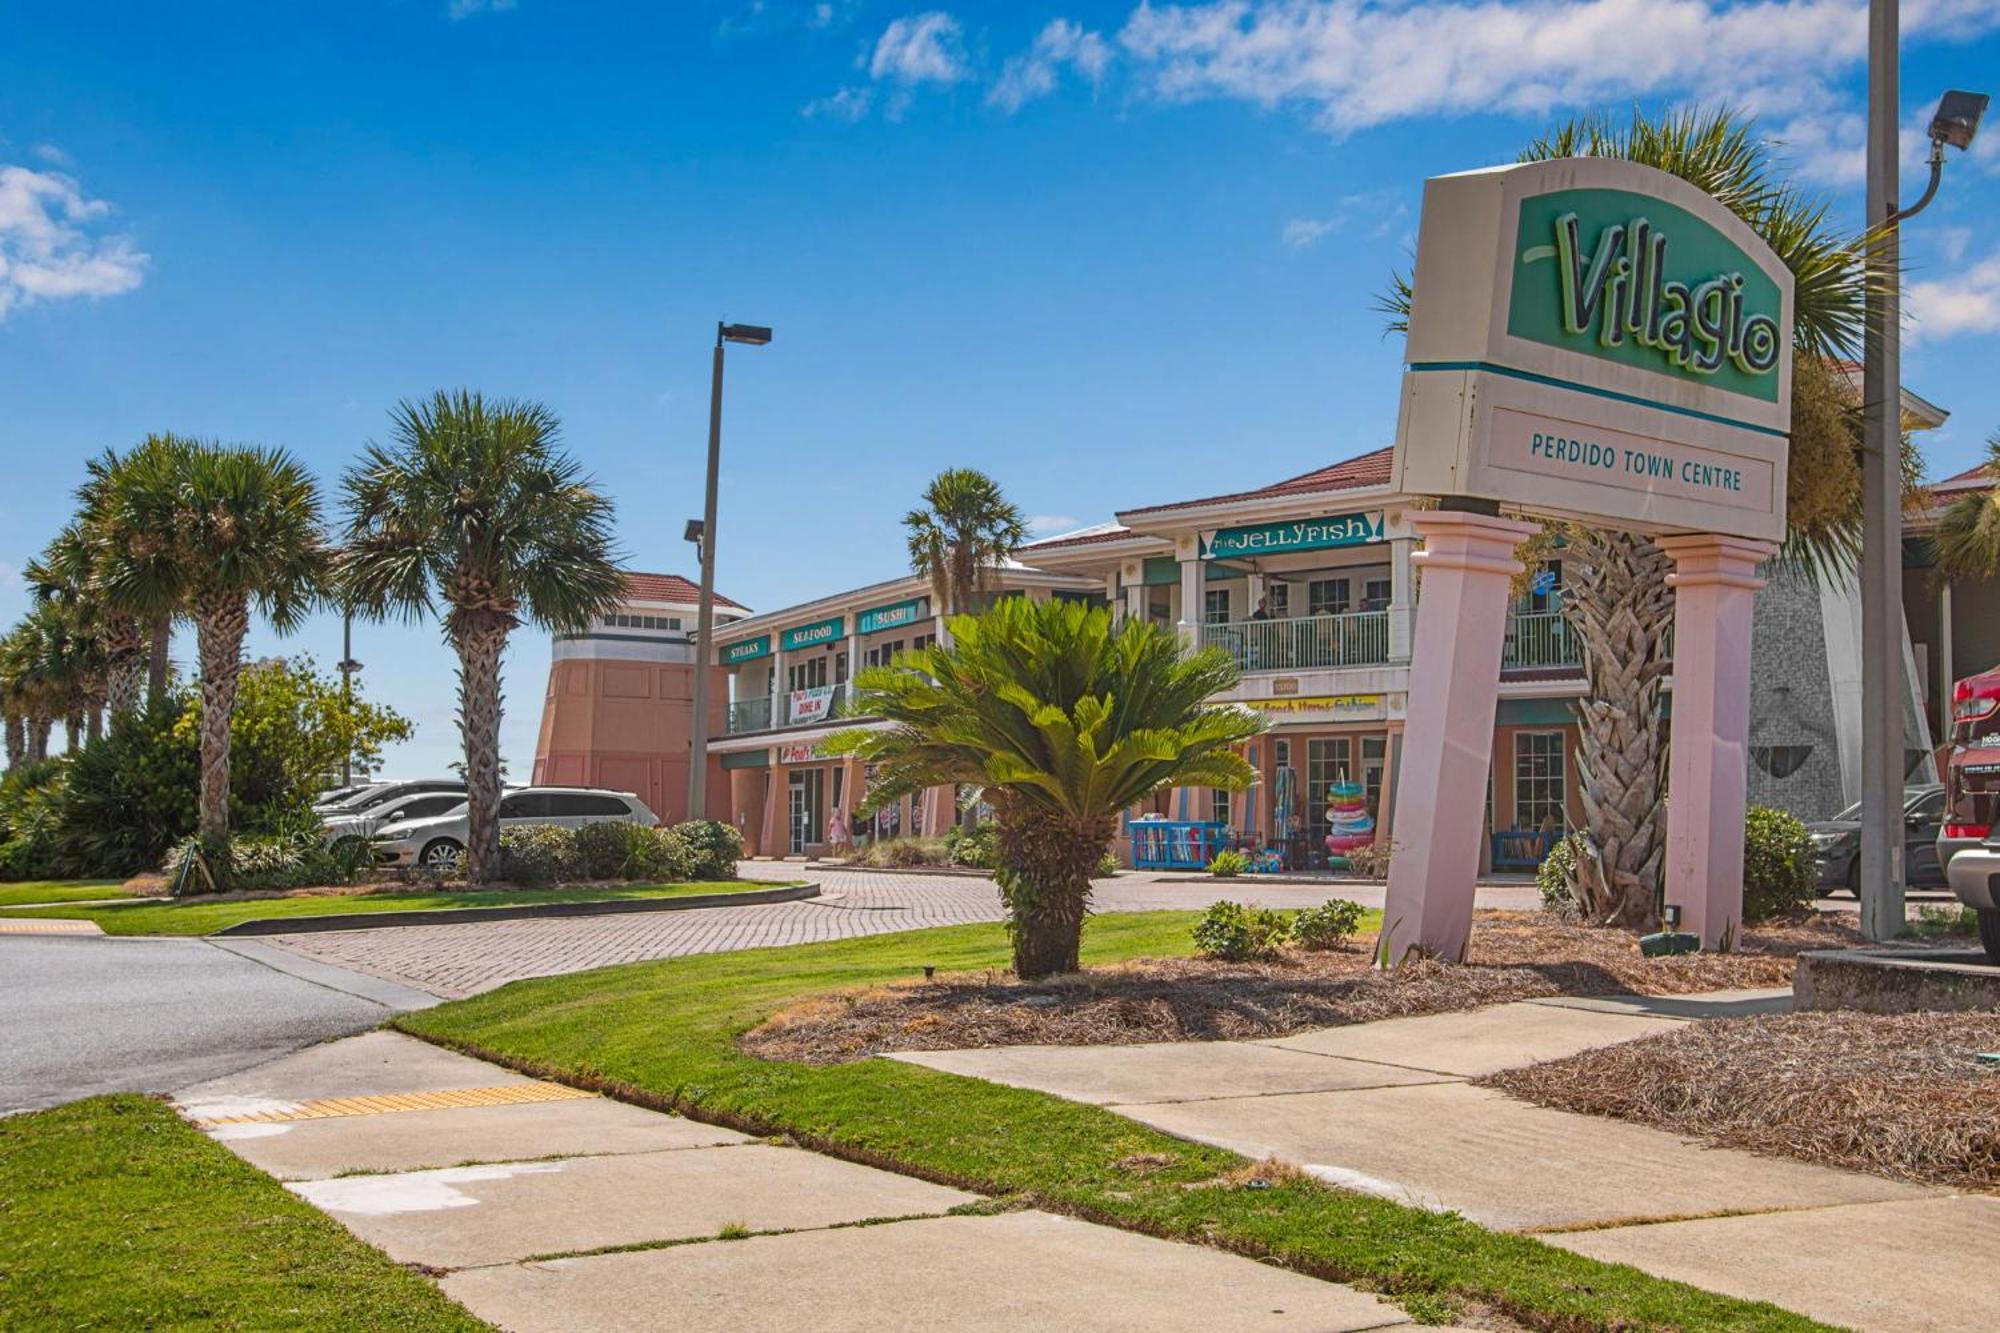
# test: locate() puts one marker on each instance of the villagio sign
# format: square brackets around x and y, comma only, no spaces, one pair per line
[1600,340]
[1312,534]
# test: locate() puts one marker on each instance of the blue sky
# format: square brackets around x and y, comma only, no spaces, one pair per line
[1112,254]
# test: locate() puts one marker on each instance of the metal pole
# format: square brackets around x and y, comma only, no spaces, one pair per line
[1883,689]
[705,623]
[347,695]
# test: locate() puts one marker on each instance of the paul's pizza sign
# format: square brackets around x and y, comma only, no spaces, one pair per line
[1600,340]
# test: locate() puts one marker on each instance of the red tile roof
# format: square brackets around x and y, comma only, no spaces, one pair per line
[1369,469]
[1979,477]
[1114,534]
[670,589]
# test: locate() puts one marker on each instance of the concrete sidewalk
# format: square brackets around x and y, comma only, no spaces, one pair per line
[1387,1108]
[539,1207]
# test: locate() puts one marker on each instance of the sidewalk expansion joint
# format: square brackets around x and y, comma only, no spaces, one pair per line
[681,1242]
[327,1108]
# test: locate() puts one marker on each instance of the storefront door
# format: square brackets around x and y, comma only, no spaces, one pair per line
[808,807]
[1340,759]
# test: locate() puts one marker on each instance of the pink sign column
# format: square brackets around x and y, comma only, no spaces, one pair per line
[1467,562]
[1715,584]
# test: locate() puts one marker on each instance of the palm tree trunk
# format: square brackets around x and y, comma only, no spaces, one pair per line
[162,636]
[93,729]
[1046,863]
[1615,593]
[17,740]
[481,639]
[72,732]
[38,738]
[125,667]
[221,621]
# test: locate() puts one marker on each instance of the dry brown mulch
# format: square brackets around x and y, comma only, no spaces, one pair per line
[1513,956]
[1898,1095]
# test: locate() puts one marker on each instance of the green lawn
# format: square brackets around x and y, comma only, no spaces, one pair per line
[192,916]
[59,890]
[664,1034]
[116,1214]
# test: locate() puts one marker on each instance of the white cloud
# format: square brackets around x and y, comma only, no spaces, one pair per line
[465,9]
[1357,63]
[845,104]
[52,155]
[1302,232]
[1373,213]
[1036,71]
[1043,524]
[1966,303]
[52,243]
[922,48]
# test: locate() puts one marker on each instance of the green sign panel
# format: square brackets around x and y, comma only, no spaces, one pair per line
[893,616]
[1633,279]
[747,650]
[1309,534]
[809,636]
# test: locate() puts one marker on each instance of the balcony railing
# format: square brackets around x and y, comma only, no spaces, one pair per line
[1358,638]
[793,710]
[1539,639]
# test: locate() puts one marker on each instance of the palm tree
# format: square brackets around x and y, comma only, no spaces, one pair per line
[1065,720]
[100,649]
[22,698]
[964,531]
[137,570]
[1615,592]
[214,530]
[476,506]
[1968,532]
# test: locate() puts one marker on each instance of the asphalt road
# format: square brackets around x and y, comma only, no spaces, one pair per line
[84,1015]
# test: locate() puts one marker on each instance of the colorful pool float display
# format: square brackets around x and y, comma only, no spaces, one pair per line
[1349,825]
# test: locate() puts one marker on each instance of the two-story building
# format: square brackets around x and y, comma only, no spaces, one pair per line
[789,676]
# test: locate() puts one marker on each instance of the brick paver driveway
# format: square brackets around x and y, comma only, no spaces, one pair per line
[467,959]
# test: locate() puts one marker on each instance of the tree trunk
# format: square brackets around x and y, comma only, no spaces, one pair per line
[221,621]
[72,732]
[125,664]
[38,738]
[93,729]
[481,639]
[1615,593]
[162,635]
[1046,863]
[17,740]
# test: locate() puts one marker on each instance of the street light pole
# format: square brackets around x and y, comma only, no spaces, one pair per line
[1883,688]
[756,336]
[348,666]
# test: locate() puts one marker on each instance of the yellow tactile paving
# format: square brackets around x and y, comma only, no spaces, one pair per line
[48,926]
[385,1103]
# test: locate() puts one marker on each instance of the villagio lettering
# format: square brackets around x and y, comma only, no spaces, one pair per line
[1622,291]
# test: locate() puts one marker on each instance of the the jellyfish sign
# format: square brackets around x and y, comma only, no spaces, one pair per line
[1598,341]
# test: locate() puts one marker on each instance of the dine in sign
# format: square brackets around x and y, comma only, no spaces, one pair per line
[1597,339]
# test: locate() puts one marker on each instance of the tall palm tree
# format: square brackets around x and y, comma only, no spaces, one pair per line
[99,648]
[216,530]
[1968,532]
[966,528]
[1615,592]
[22,698]
[1064,720]
[138,571]
[476,505]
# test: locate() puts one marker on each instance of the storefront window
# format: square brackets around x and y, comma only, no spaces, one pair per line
[1329,597]
[1215,606]
[1539,780]
[806,675]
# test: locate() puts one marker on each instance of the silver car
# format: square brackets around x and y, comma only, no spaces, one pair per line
[367,820]
[438,842]
[1975,878]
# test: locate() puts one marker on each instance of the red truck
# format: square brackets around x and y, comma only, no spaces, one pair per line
[1968,846]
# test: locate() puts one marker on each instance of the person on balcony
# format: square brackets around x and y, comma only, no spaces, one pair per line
[1263,611]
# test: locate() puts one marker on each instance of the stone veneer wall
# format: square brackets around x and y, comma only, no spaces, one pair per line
[1791,698]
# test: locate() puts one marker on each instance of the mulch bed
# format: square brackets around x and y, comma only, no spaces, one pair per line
[1899,1095]
[1513,956]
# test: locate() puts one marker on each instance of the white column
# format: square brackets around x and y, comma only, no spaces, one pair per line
[1402,598]
[1111,598]
[1253,588]
[778,687]
[853,666]
[1468,560]
[1193,583]
[1135,590]
[1946,682]
[1715,584]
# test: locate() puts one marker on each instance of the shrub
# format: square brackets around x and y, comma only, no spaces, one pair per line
[905,852]
[976,847]
[1234,932]
[1553,875]
[1327,926]
[663,854]
[1107,864]
[1778,872]
[538,854]
[713,848]
[1228,865]
[1370,862]
[295,858]
[612,850]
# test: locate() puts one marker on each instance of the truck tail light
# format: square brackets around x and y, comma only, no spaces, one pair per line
[1967,830]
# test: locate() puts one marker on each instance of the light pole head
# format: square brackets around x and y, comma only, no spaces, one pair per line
[756,335]
[1957,118]
[694,531]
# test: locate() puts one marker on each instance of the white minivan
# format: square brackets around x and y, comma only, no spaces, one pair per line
[437,843]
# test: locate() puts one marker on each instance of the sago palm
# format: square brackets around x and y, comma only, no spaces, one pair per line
[476,506]
[1615,591]
[1064,720]
[965,529]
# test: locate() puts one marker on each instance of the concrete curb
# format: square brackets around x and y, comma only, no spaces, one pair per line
[452,916]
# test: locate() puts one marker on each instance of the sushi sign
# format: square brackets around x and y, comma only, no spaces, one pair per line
[1600,340]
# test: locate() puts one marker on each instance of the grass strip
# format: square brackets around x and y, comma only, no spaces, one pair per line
[664,1034]
[115,1213]
[59,891]
[193,916]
